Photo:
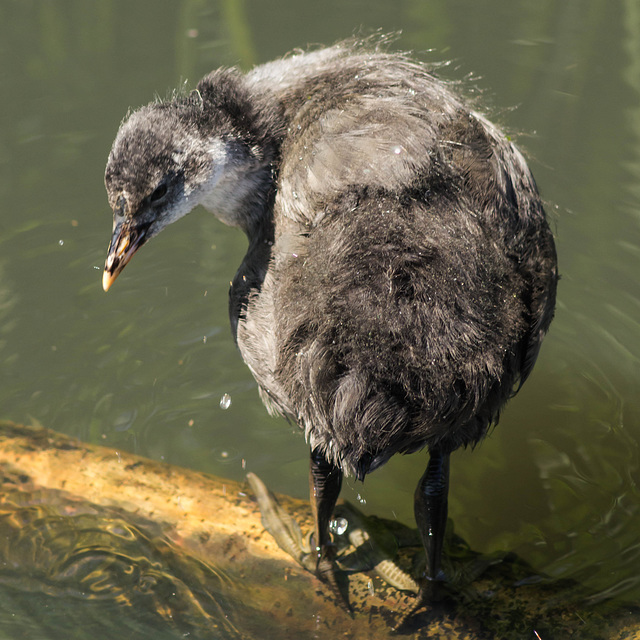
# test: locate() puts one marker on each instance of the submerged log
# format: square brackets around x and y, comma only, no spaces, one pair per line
[145,549]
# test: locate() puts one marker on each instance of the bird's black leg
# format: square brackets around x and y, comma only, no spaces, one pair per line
[325,481]
[430,505]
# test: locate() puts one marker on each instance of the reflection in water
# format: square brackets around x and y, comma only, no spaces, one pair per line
[130,581]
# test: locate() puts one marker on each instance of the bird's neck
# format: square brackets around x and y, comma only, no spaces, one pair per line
[239,188]
[241,185]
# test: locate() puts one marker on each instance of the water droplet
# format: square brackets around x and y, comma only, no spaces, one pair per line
[370,588]
[360,499]
[225,456]
[338,526]
[60,242]
[397,150]
[225,401]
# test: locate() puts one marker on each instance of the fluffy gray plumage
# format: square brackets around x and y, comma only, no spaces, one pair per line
[401,273]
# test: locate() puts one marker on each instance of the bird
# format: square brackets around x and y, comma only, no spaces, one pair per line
[400,274]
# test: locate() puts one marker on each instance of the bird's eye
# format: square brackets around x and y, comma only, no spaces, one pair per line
[120,206]
[159,193]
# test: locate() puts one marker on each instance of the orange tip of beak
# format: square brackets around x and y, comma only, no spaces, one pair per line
[108,279]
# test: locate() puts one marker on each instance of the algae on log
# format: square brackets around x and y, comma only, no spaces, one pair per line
[148,548]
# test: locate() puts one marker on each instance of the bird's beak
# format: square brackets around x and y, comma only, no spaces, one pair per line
[127,238]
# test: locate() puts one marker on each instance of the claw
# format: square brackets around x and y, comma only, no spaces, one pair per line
[326,571]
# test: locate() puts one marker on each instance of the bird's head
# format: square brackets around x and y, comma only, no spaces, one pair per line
[157,167]
[209,148]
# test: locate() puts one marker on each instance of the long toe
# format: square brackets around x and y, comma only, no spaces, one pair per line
[334,578]
[280,524]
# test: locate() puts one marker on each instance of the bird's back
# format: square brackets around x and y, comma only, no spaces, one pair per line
[410,275]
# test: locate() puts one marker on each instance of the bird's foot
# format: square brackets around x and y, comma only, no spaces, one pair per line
[430,597]
[288,535]
[375,547]
[327,571]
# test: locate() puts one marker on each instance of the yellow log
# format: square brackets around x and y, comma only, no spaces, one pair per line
[186,552]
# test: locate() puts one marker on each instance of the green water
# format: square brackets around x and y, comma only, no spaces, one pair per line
[144,367]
